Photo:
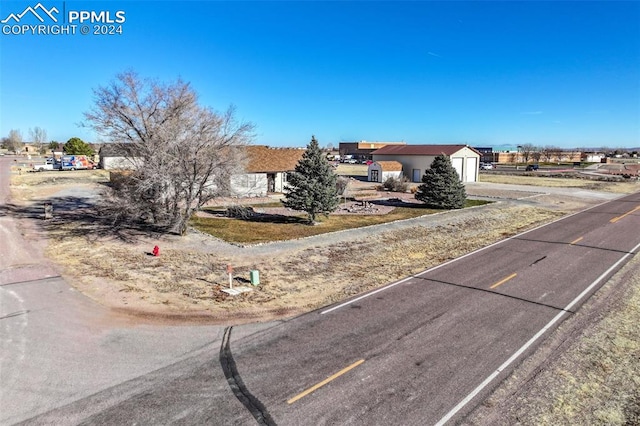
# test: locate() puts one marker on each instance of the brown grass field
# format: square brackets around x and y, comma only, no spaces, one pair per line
[564,182]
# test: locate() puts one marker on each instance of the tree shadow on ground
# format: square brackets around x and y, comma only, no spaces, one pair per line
[79,216]
[256,216]
[277,218]
[358,177]
[397,202]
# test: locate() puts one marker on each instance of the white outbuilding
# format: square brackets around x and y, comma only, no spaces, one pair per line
[380,171]
[415,159]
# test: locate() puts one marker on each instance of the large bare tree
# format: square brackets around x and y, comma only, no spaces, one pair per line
[182,154]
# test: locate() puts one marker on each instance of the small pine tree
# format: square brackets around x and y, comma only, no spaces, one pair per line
[441,187]
[312,186]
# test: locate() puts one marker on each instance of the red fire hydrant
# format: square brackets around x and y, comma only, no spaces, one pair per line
[156,251]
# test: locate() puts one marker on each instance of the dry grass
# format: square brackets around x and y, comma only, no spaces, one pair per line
[565,182]
[27,186]
[352,169]
[302,279]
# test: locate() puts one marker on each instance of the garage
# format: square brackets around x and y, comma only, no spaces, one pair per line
[415,159]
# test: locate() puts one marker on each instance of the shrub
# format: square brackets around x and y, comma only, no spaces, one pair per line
[396,184]
[240,212]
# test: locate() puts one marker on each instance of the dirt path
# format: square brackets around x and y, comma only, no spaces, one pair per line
[21,246]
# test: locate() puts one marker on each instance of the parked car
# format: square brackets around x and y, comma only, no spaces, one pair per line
[49,164]
[532,167]
[486,166]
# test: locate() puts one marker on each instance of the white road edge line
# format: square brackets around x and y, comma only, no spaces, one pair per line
[531,341]
[366,295]
[388,286]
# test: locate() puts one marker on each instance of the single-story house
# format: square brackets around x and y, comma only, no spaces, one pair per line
[115,157]
[380,171]
[415,159]
[265,171]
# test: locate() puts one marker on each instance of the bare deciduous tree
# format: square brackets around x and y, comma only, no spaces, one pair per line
[182,154]
[38,137]
[537,154]
[548,152]
[558,154]
[14,141]
[526,151]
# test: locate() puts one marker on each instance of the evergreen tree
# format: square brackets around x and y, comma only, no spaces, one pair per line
[76,146]
[312,186]
[441,187]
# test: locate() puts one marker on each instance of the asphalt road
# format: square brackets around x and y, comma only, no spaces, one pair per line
[424,350]
[427,349]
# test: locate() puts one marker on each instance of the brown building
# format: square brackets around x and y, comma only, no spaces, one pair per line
[362,150]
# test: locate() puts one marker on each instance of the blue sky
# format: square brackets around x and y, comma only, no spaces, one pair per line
[483,73]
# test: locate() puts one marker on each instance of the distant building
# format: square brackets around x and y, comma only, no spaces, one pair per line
[362,150]
[487,155]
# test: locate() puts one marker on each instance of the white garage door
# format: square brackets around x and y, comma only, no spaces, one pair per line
[457,164]
[472,166]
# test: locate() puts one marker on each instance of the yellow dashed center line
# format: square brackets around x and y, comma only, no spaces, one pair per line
[503,280]
[324,382]
[576,240]
[615,219]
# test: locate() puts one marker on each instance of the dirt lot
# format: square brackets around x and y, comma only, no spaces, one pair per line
[586,373]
